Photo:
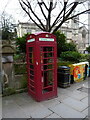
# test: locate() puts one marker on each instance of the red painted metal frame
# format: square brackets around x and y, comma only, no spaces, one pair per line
[36,90]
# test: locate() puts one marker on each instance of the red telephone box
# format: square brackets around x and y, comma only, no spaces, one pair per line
[41,57]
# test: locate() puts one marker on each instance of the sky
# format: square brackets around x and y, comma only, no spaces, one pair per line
[13,8]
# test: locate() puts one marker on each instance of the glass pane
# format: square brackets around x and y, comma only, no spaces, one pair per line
[31,61]
[30,49]
[48,55]
[48,78]
[30,55]
[48,67]
[31,72]
[45,90]
[31,66]
[32,77]
[47,48]
[45,61]
[50,60]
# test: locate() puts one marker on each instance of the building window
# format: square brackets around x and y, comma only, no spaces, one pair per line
[83,34]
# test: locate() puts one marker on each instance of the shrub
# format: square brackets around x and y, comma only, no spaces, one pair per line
[70,47]
[84,57]
[8,91]
[64,63]
[19,57]
[62,44]
[61,40]
[71,56]
[24,81]
[21,44]
[88,58]
[20,68]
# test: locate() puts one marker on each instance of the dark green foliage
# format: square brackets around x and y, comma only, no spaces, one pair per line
[24,81]
[61,40]
[70,47]
[19,58]
[84,57]
[8,91]
[62,44]
[64,63]
[20,68]
[88,58]
[21,43]
[88,49]
[5,34]
[71,56]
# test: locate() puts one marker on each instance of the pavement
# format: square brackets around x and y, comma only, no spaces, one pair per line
[72,102]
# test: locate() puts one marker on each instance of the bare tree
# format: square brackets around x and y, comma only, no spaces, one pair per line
[7,27]
[49,15]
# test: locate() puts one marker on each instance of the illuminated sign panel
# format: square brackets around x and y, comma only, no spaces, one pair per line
[31,40]
[46,39]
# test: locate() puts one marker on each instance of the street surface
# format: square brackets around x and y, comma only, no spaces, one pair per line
[72,102]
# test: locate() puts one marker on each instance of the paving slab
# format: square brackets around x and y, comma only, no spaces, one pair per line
[22,99]
[50,103]
[61,97]
[36,110]
[85,112]
[27,97]
[8,106]
[85,100]
[15,114]
[54,115]
[66,112]
[74,86]
[13,111]
[78,95]
[75,104]
[64,91]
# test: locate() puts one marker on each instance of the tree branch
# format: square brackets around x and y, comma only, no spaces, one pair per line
[44,5]
[56,20]
[49,16]
[42,10]
[30,16]
[72,9]
[57,27]
[78,14]
[54,5]
[68,19]
[65,3]
[35,14]
[62,16]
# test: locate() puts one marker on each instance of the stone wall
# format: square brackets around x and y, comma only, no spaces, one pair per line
[20,75]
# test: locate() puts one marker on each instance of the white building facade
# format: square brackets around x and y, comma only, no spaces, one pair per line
[71,29]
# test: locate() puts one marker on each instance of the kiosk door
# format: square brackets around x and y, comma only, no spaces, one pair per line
[47,68]
[31,82]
